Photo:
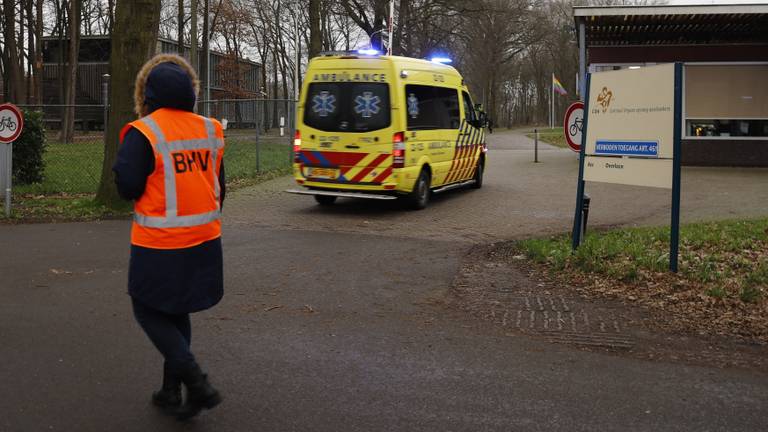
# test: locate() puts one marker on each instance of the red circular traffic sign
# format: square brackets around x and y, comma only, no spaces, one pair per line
[11,123]
[573,124]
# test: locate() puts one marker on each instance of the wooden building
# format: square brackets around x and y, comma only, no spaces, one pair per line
[230,78]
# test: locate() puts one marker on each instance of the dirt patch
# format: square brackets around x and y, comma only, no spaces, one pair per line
[497,284]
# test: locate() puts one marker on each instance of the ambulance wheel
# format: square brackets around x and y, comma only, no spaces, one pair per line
[419,196]
[479,171]
[325,200]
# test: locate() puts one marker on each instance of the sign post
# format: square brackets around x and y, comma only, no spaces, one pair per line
[674,239]
[633,136]
[11,125]
[577,218]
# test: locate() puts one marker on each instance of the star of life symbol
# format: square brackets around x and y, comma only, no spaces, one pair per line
[367,104]
[413,105]
[324,103]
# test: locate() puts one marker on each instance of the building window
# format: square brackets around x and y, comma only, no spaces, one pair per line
[726,101]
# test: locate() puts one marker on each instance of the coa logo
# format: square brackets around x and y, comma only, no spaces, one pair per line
[604,98]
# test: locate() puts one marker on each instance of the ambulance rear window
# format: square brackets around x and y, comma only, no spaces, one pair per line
[347,107]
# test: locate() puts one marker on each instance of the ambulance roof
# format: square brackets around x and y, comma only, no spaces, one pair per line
[396,61]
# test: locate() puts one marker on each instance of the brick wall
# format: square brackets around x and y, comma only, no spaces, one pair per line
[742,153]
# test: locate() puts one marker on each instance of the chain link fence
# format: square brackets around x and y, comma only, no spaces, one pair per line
[258,133]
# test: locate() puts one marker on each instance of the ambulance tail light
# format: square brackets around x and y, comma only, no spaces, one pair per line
[398,150]
[296,145]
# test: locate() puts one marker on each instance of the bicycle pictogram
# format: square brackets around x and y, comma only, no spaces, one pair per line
[7,122]
[576,126]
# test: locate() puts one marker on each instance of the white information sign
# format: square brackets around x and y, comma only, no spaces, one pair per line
[630,135]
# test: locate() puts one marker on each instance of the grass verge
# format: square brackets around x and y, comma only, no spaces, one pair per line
[62,208]
[73,171]
[721,288]
[554,137]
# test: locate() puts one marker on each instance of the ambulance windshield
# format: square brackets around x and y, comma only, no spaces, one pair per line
[347,107]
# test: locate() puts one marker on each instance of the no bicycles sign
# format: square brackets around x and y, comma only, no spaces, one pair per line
[573,124]
[11,123]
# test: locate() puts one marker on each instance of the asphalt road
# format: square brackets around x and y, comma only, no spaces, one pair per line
[333,321]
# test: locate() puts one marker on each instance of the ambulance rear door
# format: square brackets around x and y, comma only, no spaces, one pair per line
[351,129]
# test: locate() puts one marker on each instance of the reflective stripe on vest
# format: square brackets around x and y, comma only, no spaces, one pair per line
[165,148]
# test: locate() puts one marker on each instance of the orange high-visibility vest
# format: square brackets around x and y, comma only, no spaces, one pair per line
[180,204]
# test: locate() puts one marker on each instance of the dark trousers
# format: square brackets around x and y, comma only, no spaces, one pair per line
[170,333]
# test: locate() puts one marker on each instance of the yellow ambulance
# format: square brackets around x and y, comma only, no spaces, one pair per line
[383,127]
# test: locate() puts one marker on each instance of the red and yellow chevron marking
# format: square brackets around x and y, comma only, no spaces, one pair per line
[353,167]
[370,168]
[468,148]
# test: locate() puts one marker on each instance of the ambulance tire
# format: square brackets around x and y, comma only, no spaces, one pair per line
[419,196]
[479,171]
[325,200]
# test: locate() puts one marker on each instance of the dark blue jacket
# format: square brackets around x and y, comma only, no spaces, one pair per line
[177,280]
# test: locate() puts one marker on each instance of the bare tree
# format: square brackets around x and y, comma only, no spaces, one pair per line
[132,45]
[13,71]
[193,36]
[67,133]
[495,35]
[38,81]
[370,16]
[315,33]
[180,28]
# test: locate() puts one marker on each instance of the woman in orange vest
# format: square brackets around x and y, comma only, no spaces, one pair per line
[170,164]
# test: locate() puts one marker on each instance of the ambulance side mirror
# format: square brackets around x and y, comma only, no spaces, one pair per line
[482,119]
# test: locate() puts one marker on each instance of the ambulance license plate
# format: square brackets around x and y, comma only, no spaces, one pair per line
[323,173]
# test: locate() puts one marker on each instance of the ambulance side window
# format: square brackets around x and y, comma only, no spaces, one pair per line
[450,98]
[469,110]
[430,107]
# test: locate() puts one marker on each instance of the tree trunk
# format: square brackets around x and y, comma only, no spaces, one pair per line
[111,13]
[180,25]
[32,97]
[400,46]
[14,74]
[39,52]
[315,34]
[60,72]
[193,37]
[67,134]
[275,87]
[205,79]
[132,46]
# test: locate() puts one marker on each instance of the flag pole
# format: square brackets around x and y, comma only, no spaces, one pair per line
[552,103]
[391,26]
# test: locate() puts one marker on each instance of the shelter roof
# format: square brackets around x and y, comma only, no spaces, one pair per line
[674,24]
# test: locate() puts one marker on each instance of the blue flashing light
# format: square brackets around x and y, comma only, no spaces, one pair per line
[370,52]
[441,60]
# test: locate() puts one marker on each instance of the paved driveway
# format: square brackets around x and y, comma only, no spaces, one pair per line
[519,199]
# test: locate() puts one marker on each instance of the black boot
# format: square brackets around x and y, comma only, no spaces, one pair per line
[200,394]
[169,396]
